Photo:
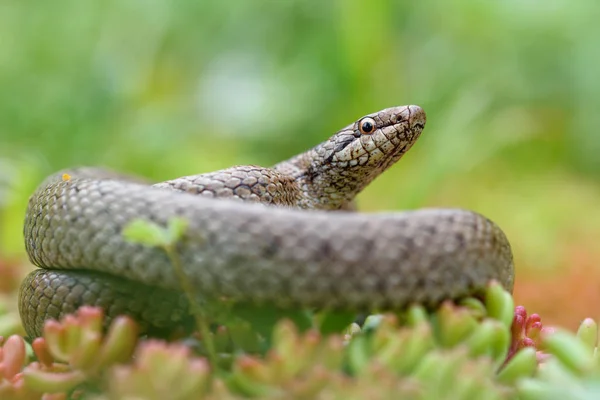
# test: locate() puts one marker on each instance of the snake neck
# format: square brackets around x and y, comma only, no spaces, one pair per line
[320,186]
[323,186]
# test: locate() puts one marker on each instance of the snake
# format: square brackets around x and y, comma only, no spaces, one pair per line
[288,236]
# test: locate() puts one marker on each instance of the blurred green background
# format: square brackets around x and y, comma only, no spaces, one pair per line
[167,88]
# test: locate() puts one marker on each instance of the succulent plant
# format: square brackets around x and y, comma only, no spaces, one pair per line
[469,350]
[72,353]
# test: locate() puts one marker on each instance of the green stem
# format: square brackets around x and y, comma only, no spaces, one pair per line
[199,316]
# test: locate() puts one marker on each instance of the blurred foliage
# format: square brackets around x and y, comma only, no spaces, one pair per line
[164,89]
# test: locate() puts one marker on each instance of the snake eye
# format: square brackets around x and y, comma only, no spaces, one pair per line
[366,126]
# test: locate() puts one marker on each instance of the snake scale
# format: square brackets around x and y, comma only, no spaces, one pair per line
[259,235]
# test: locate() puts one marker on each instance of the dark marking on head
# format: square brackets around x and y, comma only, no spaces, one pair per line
[342,143]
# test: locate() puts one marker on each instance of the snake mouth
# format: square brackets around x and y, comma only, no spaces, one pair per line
[416,118]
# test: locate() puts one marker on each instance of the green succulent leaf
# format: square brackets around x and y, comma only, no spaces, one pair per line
[588,333]
[572,352]
[500,304]
[522,365]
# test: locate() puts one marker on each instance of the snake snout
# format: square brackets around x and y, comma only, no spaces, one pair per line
[417,117]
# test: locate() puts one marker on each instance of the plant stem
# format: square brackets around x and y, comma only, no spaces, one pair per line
[199,316]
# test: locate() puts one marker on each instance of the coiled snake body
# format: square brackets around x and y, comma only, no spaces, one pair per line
[296,254]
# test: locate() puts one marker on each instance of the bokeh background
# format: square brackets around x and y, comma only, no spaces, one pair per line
[166,88]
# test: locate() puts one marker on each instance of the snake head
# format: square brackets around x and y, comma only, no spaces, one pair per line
[377,140]
[339,168]
[332,173]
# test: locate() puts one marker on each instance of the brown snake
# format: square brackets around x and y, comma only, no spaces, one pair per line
[297,254]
